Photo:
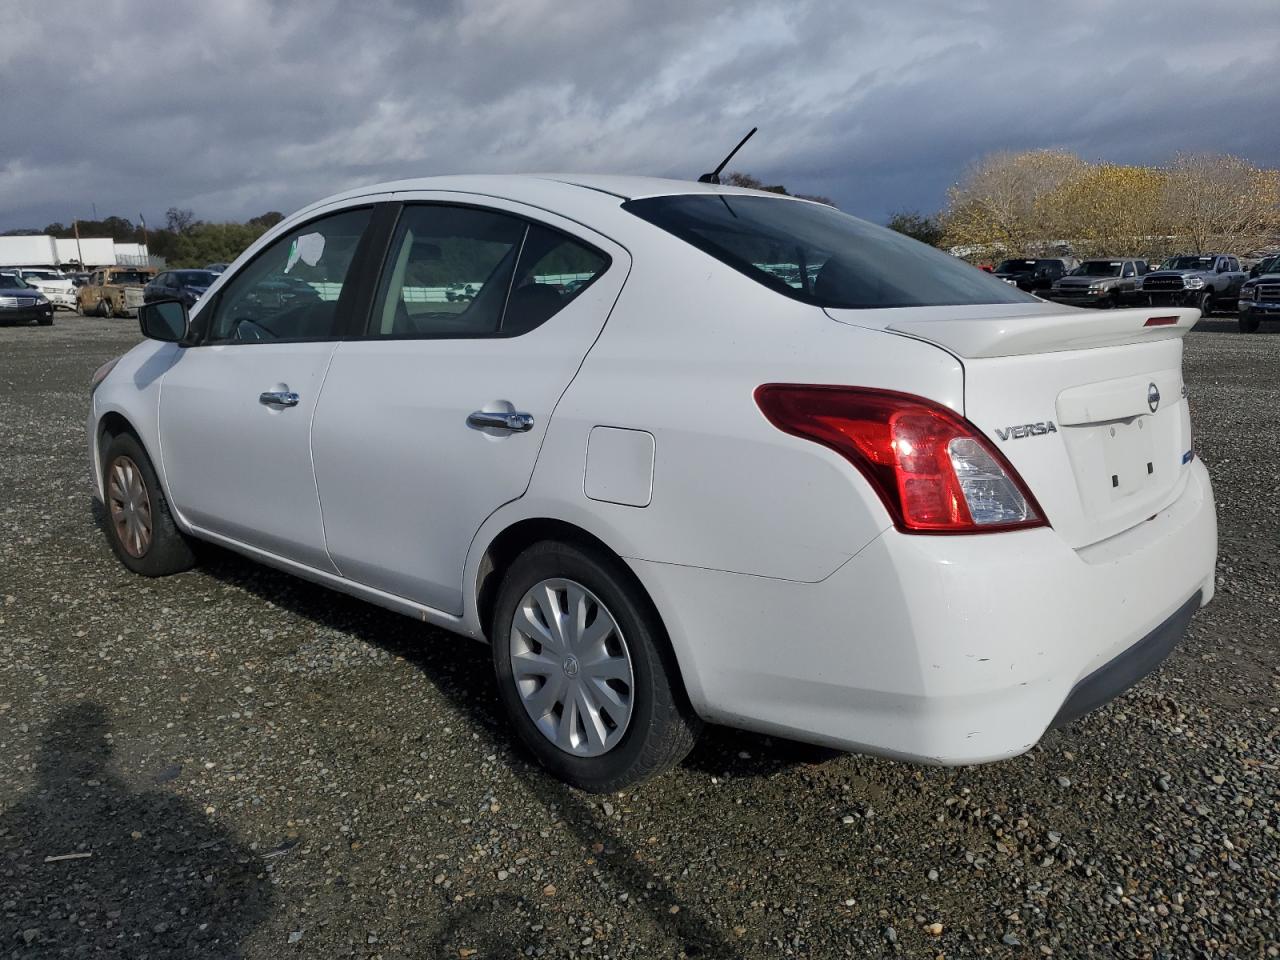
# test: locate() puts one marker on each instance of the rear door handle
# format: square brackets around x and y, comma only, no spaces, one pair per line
[515,422]
[279,398]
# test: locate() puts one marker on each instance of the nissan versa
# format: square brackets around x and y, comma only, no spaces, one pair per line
[690,453]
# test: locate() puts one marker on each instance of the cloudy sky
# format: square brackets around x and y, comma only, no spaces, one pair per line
[235,107]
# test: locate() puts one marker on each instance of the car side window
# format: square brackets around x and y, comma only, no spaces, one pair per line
[448,273]
[1128,270]
[290,290]
[554,268]
[465,272]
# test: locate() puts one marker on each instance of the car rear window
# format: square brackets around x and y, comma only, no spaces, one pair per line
[818,255]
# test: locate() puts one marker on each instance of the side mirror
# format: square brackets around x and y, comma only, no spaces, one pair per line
[164,320]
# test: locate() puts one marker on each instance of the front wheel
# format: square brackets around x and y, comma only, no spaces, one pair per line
[139,525]
[585,671]
[1205,303]
[1249,324]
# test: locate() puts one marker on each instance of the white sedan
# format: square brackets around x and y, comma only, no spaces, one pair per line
[688,453]
[58,289]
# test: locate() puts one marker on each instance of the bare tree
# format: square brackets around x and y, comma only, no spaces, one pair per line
[1218,202]
[1000,201]
[178,220]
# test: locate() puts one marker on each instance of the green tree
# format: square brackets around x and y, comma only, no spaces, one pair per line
[212,243]
[736,179]
[917,226]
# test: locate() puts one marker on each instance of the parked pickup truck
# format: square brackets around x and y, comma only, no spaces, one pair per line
[1201,280]
[1099,283]
[114,291]
[1032,274]
[1260,295]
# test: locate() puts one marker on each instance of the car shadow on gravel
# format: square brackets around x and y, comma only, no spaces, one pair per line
[92,866]
[1218,324]
[462,670]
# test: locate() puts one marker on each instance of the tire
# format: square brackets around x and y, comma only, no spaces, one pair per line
[165,550]
[105,310]
[1205,303]
[1249,324]
[46,321]
[660,728]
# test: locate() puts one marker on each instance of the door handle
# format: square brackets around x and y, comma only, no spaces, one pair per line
[279,398]
[515,422]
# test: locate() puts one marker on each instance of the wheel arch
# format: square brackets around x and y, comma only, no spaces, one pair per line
[516,537]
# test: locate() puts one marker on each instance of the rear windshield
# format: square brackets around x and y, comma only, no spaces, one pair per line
[818,255]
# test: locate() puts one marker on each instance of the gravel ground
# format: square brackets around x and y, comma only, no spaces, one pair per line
[234,763]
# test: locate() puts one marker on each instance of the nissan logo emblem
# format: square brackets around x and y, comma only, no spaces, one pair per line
[1153,397]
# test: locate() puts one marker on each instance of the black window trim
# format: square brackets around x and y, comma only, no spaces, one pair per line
[345,307]
[363,330]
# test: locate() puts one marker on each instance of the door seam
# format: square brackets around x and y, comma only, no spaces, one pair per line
[311,456]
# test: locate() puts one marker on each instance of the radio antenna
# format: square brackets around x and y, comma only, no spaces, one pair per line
[714,175]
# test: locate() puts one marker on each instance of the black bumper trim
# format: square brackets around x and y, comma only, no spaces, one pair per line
[1119,674]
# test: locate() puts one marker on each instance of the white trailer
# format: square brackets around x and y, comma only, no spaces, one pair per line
[96,251]
[37,251]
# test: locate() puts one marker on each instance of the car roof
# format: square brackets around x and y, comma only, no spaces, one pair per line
[543,189]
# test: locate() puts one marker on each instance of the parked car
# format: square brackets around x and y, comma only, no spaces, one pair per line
[1032,274]
[897,506]
[1260,296]
[1266,265]
[216,267]
[59,290]
[185,285]
[114,291]
[20,302]
[1202,280]
[1099,283]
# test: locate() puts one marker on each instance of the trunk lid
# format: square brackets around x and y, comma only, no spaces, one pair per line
[1088,406]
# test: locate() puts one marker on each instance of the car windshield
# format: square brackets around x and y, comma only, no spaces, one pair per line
[1016,266]
[129,276]
[815,254]
[41,275]
[1187,263]
[1269,265]
[1098,268]
[194,278]
[12,281]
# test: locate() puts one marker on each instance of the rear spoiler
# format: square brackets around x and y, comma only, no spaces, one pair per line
[1049,333]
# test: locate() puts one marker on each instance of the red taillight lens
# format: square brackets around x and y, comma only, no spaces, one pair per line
[935,472]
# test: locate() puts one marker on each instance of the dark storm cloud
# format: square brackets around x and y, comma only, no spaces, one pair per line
[235,108]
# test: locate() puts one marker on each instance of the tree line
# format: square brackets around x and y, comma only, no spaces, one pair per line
[1044,202]
[183,240]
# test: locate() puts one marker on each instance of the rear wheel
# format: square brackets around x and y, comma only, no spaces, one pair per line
[585,671]
[139,526]
[105,310]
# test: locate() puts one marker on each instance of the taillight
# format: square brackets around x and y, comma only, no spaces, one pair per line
[935,471]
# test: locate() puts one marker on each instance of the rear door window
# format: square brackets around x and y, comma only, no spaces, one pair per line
[466,272]
[815,254]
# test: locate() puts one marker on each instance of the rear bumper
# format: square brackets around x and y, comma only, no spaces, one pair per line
[1119,674]
[948,650]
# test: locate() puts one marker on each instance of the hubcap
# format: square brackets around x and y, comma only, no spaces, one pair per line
[129,506]
[572,668]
